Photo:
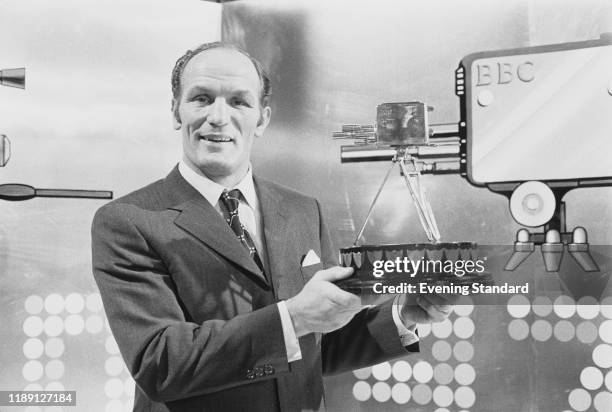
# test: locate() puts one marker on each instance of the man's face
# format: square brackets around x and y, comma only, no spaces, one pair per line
[219,114]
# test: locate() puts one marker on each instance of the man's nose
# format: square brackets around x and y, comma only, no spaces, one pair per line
[218,114]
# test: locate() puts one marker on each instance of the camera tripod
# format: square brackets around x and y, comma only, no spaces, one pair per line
[409,169]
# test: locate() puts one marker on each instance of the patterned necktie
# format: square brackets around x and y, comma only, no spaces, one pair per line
[231,200]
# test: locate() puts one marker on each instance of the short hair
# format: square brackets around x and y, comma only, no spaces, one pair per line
[265,87]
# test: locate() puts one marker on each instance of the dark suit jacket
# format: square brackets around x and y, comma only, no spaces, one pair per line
[197,326]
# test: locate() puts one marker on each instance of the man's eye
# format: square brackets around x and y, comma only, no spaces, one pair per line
[202,98]
[240,102]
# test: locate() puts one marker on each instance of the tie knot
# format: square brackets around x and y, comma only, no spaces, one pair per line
[231,199]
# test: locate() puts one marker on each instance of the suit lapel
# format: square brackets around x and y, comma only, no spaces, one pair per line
[275,231]
[200,219]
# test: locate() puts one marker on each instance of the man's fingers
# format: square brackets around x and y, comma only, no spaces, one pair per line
[426,308]
[442,299]
[435,302]
[346,300]
[435,311]
[416,314]
[333,274]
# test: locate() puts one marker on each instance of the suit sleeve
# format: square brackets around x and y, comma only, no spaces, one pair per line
[169,356]
[369,338]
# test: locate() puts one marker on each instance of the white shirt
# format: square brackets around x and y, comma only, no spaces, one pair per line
[250,216]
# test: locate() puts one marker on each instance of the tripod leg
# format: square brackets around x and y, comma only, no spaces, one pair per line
[429,215]
[373,203]
[415,199]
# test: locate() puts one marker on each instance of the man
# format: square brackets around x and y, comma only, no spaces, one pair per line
[211,277]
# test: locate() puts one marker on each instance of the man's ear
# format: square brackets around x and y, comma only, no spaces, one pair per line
[264,120]
[176,120]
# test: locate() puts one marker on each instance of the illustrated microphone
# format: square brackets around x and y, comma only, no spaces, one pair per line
[13,77]
[16,192]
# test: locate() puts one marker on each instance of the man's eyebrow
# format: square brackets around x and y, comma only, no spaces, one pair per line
[198,89]
[244,93]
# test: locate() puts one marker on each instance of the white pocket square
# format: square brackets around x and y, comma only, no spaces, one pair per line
[310,259]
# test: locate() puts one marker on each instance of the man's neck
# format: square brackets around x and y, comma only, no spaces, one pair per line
[228,181]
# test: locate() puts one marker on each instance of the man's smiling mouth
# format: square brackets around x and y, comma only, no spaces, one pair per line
[216,138]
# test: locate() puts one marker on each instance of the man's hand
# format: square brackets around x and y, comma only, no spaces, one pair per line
[426,308]
[322,306]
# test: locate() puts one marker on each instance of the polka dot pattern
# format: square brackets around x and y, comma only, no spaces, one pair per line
[542,306]
[441,350]
[591,378]
[422,394]
[362,391]
[421,382]
[541,330]
[443,373]
[401,371]
[564,307]
[606,307]
[587,307]
[463,351]
[602,356]
[465,397]
[464,327]
[443,396]
[518,306]
[51,320]
[518,329]
[422,372]
[564,331]
[33,348]
[34,304]
[400,393]
[602,402]
[586,332]
[382,371]
[579,400]
[442,330]
[381,392]
[605,331]
[465,374]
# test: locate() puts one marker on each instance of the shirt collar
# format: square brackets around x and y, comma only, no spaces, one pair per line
[212,190]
